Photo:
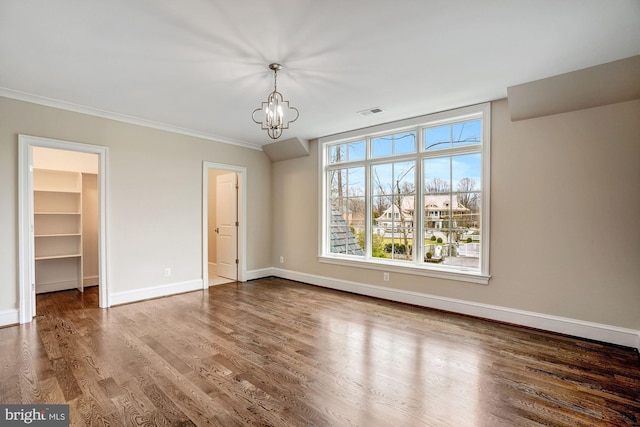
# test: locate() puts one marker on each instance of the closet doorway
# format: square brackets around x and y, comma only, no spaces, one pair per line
[62,219]
[223,224]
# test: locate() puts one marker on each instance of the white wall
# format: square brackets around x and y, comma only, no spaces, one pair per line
[155,196]
[565,234]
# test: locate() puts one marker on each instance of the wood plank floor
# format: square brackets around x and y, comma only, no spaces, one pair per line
[278,353]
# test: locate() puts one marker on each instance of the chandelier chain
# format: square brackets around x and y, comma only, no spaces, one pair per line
[275,80]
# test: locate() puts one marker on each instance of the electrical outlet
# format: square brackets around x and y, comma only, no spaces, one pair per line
[281,260]
[385,276]
[167,272]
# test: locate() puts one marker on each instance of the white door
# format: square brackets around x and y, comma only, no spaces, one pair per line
[226,225]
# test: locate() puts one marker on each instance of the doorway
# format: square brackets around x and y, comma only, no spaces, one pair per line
[65,218]
[223,224]
[52,177]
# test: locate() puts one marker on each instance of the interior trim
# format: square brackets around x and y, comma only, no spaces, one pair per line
[459,275]
[242,212]
[9,317]
[136,295]
[26,262]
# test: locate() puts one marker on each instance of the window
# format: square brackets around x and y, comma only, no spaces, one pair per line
[410,196]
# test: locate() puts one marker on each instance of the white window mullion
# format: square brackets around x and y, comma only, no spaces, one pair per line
[449,235]
[328,212]
[418,226]
[325,242]
[368,226]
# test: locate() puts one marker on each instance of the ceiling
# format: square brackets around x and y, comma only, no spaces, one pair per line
[200,66]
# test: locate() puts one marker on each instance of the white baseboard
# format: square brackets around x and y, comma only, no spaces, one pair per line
[90,280]
[579,328]
[155,292]
[42,288]
[9,317]
[259,274]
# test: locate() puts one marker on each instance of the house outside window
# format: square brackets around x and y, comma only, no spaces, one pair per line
[410,196]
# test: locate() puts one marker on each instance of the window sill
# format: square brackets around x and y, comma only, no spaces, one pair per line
[395,267]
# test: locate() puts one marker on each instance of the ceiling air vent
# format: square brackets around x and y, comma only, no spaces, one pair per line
[370,111]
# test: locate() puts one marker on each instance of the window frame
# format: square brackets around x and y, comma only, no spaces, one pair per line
[417,124]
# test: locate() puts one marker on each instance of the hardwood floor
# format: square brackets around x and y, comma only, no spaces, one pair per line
[279,353]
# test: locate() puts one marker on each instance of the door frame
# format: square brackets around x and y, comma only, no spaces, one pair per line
[242,218]
[26,258]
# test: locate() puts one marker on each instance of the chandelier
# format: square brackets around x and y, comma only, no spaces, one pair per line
[275,114]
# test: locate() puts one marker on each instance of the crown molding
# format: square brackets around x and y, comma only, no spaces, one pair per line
[69,106]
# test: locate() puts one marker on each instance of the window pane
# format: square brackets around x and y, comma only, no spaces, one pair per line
[352,151]
[381,147]
[346,182]
[382,218]
[469,203]
[347,210]
[392,231]
[468,247]
[452,207]
[466,180]
[381,176]
[347,222]
[466,172]
[356,150]
[452,230]
[400,143]
[355,181]
[337,154]
[405,177]
[394,178]
[466,133]
[393,210]
[404,143]
[379,205]
[398,244]
[437,173]
[356,214]
[437,138]
[343,241]
[337,182]
[454,135]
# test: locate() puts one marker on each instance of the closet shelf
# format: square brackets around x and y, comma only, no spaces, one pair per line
[57,229]
[38,190]
[56,213]
[58,235]
[39,258]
